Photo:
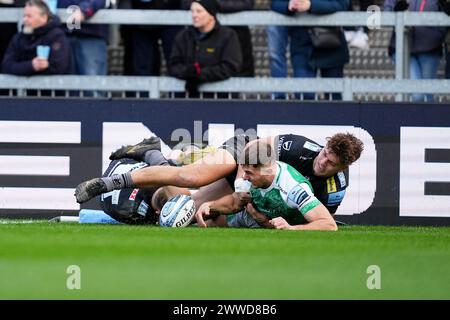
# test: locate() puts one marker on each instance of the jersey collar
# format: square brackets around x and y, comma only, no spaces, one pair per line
[274,181]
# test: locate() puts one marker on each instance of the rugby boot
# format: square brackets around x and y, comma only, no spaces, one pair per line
[87,190]
[137,151]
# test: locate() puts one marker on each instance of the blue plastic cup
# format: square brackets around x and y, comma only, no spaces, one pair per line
[43,51]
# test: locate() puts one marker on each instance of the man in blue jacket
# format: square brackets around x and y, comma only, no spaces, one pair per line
[40,28]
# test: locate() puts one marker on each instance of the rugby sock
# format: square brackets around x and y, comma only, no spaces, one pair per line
[117,181]
[155,158]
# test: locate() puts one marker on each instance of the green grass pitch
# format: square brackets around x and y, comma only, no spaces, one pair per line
[128,262]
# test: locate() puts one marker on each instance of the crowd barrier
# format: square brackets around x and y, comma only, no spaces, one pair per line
[400,21]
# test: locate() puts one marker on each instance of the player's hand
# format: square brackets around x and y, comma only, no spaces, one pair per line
[244,197]
[203,212]
[280,224]
[259,217]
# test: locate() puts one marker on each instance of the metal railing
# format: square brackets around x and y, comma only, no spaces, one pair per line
[400,21]
[157,87]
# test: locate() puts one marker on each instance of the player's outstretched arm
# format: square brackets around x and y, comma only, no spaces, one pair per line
[226,205]
[318,219]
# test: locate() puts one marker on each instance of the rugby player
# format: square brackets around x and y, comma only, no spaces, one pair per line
[138,205]
[281,197]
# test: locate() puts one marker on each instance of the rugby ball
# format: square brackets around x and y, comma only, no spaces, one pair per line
[178,212]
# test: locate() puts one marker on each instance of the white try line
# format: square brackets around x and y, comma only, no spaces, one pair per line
[21,221]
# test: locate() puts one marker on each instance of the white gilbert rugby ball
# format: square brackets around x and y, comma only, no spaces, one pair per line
[177,212]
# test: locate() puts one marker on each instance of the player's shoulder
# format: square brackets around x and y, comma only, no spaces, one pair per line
[341,179]
[289,178]
[288,170]
[335,189]
[311,146]
[296,145]
[337,182]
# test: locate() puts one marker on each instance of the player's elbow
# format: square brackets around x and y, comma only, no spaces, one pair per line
[331,225]
[327,225]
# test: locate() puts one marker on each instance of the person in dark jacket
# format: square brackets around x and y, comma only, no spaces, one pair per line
[8,29]
[205,51]
[307,60]
[88,41]
[425,43]
[243,32]
[40,28]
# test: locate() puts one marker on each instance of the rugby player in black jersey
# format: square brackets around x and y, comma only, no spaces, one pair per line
[138,205]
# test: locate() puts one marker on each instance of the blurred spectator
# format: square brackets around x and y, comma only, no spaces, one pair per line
[425,43]
[445,6]
[358,37]
[41,47]
[306,59]
[8,29]
[205,51]
[243,32]
[142,55]
[88,41]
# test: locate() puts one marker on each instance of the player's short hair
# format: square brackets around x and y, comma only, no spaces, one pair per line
[159,199]
[41,5]
[257,154]
[346,146]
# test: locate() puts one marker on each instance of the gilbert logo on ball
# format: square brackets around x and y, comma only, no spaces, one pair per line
[177,212]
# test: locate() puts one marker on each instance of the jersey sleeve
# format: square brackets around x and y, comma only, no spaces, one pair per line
[302,198]
[335,191]
[289,147]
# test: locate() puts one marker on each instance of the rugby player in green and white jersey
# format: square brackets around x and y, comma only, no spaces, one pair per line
[281,197]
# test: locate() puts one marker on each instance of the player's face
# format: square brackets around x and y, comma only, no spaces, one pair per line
[259,177]
[327,164]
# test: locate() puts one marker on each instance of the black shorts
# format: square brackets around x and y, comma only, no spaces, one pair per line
[131,205]
[235,146]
